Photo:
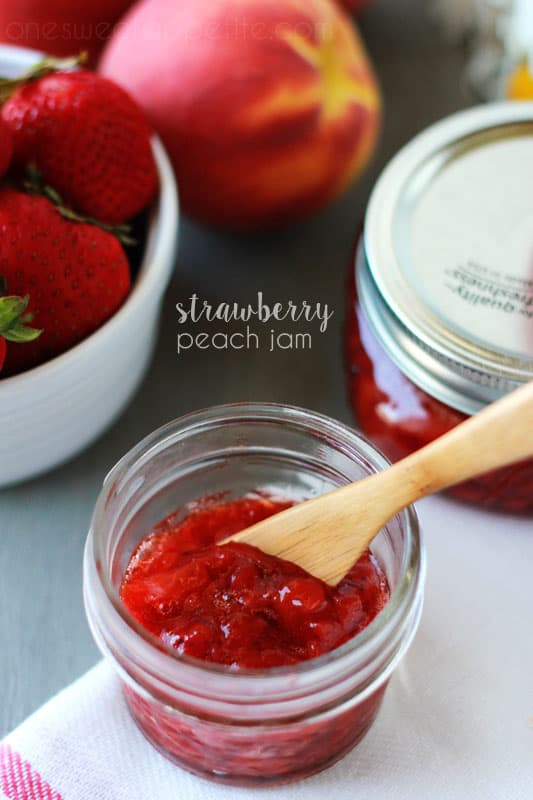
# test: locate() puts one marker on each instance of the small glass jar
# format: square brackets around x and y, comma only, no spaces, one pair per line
[260,726]
[440,299]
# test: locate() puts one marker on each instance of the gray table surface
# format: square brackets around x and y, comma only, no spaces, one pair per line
[44,639]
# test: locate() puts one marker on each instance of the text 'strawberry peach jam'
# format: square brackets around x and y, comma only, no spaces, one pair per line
[263,706]
[440,317]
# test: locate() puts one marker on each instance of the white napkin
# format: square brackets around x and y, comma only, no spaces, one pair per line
[457,721]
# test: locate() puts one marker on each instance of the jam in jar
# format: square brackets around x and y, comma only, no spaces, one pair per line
[238,666]
[235,605]
[440,302]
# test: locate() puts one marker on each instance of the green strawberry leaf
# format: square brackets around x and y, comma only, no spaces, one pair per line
[11,309]
[21,333]
[13,320]
[49,65]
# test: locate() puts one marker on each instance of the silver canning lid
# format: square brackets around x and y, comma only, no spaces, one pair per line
[446,273]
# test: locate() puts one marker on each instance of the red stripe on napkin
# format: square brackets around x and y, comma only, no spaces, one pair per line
[19,781]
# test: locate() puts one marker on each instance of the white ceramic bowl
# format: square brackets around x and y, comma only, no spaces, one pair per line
[53,411]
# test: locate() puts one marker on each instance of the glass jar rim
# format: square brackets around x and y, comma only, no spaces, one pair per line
[412,570]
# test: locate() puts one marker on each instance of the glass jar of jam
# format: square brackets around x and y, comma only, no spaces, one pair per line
[440,305]
[246,726]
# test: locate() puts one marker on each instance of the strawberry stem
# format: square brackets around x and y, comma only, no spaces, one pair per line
[13,319]
[49,65]
[35,185]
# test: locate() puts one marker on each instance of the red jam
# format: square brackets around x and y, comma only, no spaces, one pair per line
[241,755]
[400,418]
[235,605]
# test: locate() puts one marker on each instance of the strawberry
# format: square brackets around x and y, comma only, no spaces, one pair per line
[6,147]
[76,273]
[60,26]
[88,138]
[13,322]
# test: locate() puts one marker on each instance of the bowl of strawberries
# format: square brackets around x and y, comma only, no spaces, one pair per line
[88,231]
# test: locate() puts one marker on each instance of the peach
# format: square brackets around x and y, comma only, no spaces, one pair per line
[268,108]
[520,83]
[354,5]
[60,27]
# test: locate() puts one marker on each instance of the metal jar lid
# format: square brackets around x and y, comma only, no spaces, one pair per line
[445,273]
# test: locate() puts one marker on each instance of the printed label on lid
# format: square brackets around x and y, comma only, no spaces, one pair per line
[467,248]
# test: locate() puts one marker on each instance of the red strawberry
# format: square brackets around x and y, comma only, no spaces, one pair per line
[77,274]
[88,138]
[6,147]
[13,322]
[60,26]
